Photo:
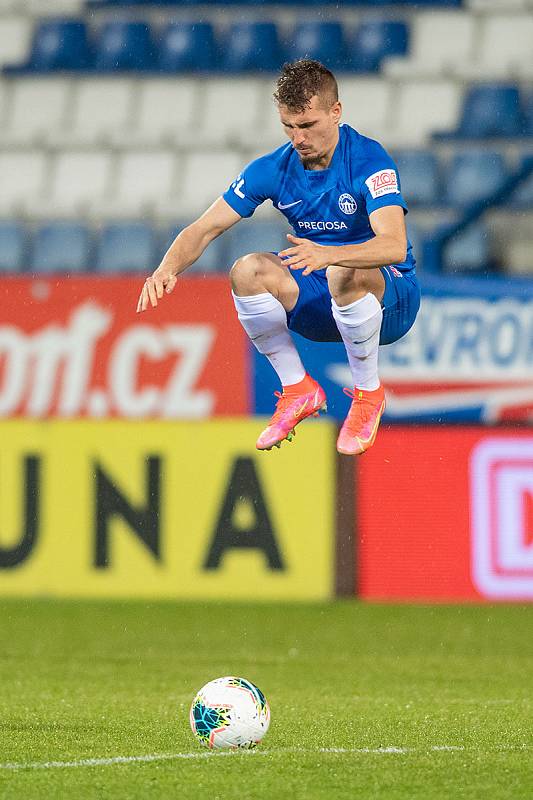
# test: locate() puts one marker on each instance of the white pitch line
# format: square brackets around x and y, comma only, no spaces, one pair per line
[144,759]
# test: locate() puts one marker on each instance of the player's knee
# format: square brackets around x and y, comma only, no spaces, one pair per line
[245,273]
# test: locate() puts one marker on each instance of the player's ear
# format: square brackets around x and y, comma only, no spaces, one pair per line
[336,110]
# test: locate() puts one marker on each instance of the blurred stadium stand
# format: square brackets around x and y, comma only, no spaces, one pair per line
[120,121]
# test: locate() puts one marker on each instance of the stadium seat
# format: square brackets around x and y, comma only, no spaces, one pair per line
[126,247]
[79,182]
[206,176]
[15,38]
[257,236]
[23,178]
[521,199]
[438,40]
[12,246]
[416,237]
[469,251]
[366,103]
[251,47]
[142,180]
[474,175]
[37,111]
[101,111]
[527,112]
[374,41]
[60,247]
[504,47]
[231,111]
[213,259]
[419,176]
[165,110]
[421,107]
[491,110]
[187,47]
[123,45]
[57,44]
[323,41]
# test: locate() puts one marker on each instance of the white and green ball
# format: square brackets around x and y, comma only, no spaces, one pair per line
[230,713]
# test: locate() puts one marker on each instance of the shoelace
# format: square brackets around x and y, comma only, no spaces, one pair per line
[281,405]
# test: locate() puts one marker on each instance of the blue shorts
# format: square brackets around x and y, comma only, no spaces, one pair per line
[312,317]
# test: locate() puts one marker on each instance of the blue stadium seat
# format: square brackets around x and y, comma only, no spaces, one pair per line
[187,47]
[474,175]
[214,258]
[522,197]
[419,175]
[415,237]
[374,40]
[491,110]
[252,46]
[469,251]
[60,247]
[126,247]
[12,246]
[527,110]
[123,45]
[323,41]
[257,236]
[57,44]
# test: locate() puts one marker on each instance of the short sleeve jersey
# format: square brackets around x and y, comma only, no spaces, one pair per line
[330,206]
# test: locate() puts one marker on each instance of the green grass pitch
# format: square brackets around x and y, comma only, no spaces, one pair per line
[368,701]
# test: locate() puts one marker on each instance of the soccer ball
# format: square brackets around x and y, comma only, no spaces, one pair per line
[230,713]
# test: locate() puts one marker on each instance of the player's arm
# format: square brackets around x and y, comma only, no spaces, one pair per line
[388,246]
[186,248]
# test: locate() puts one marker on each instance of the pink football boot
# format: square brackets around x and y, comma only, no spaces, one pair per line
[361,425]
[292,408]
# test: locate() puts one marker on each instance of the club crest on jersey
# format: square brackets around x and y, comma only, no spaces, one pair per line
[347,204]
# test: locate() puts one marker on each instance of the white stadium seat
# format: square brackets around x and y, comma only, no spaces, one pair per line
[505,48]
[36,8]
[166,111]
[15,35]
[23,179]
[102,112]
[37,110]
[4,103]
[205,177]
[78,183]
[142,180]
[366,104]
[230,112]
[439,41]
[420,109]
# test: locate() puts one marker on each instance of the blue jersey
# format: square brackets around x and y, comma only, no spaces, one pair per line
[330,206]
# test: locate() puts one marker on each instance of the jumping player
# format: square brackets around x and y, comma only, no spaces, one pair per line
[348,273]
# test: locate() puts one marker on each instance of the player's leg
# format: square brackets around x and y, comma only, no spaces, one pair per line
[263,292]
[356,307]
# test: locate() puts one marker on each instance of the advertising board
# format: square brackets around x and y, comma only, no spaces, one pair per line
[446,515]
[119,508]
[74,347]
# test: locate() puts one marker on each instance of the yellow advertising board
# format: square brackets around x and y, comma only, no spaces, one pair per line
[165,509]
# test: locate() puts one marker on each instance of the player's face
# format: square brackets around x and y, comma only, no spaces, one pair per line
[313,132]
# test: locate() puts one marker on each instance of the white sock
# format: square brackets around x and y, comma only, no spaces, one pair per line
[359,325]
[265,321]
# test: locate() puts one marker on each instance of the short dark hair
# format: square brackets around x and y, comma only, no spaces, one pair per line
[301,80]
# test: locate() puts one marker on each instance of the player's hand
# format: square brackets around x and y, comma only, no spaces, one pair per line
[305,255]
[161,282]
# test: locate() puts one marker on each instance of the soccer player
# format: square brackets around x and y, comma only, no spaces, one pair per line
[348,273]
